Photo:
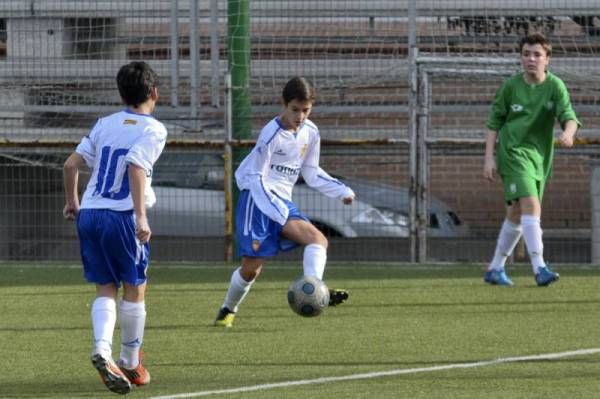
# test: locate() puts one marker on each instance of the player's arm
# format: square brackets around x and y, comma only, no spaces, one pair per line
[137,186]
[496,120]
[84,154]
[489,164]
[70,181]
[567,137]
[255,170]
[144,153]
[140,159]
[320,180]
[567,117]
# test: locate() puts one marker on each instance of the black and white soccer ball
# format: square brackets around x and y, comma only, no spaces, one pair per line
[308,296]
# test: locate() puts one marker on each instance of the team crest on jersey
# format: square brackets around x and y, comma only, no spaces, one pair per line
[130,122]
[549,105]
[513,188]
[255,245]
[516,107]
[303,150]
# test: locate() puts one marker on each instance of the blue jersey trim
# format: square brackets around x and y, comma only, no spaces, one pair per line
[330,180]
[274,133]
[278,120]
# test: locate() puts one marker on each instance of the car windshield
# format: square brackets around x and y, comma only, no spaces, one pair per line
[189,170]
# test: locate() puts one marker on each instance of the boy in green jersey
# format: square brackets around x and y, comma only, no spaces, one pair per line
[522,121]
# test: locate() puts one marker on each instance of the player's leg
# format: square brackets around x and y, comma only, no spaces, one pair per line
[103,312]
[257,238]
[132,319]
[509,236]
[532,234]
[104,317]
[241,281]
[127,261]
[315,253]
[314,242]
[532,231]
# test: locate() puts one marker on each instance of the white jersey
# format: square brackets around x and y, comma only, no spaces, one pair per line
[116,141]
[273,166]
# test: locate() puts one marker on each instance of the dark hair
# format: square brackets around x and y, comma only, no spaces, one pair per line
[536,38]
[298,88]
[135,82]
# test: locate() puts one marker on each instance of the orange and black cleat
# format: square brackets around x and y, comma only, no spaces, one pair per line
[138,375]
[111,375]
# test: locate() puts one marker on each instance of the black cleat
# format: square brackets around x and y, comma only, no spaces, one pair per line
[225,318]
[111,375]
[337,297]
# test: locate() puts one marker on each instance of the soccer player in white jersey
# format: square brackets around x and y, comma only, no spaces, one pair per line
[113,229]
[267,221]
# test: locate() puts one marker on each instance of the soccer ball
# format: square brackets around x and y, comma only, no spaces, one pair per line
[308,296]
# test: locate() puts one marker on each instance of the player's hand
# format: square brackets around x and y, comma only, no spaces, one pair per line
[565,140]
[347,200]
[489,169]
[142,229]
[70,212]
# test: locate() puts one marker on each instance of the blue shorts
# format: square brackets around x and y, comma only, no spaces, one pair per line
[257,235]
[110,252]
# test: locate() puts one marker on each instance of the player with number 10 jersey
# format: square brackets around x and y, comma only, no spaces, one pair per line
[108,154]
[112,225]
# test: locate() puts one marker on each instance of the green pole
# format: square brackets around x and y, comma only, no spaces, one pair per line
[238,41]
[239,66]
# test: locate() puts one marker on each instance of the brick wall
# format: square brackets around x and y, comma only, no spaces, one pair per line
[566,203]
[458,181]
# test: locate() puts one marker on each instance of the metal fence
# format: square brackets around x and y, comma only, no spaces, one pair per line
[403,87]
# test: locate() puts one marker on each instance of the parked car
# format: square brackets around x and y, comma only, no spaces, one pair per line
[190,203]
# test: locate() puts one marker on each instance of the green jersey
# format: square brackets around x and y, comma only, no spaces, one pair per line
[524,115]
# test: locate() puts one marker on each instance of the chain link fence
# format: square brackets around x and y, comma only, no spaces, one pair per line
[58,61]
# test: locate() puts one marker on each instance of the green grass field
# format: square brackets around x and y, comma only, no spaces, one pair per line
[402,319]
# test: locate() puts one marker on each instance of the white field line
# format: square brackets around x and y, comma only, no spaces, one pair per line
[378,374]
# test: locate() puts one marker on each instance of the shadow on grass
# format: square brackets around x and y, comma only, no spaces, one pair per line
[50,274]
[30,329]
[338,363]
[40,388]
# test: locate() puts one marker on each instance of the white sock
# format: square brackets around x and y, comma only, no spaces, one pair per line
[315,257]
[104,317]
[508,238]
[132,317]
[532,233]
[238,289]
